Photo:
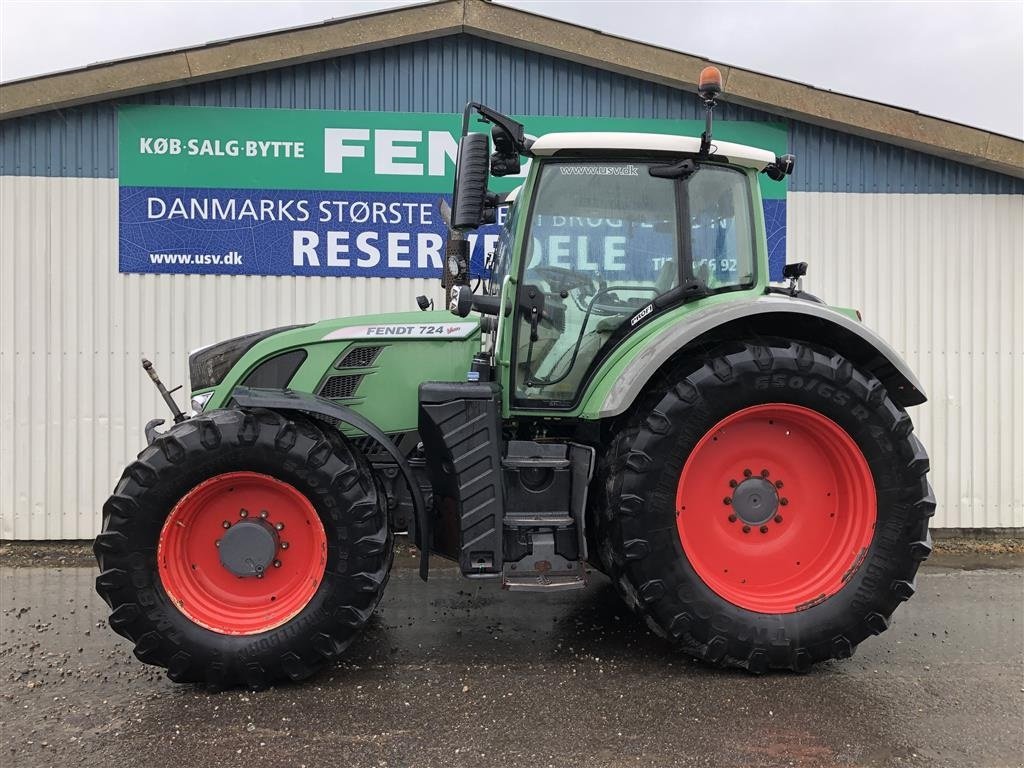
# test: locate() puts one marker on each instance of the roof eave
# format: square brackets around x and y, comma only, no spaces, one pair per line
[230,58]
[343,37]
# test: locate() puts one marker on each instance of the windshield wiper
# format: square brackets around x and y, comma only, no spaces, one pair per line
[684,169]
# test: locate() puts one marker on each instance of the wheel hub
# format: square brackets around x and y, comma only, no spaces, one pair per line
[755,501]
[248,547]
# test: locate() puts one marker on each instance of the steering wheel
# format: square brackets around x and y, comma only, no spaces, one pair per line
[563,279]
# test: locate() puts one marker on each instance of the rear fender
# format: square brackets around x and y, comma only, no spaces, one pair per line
[303,402]
[765,316]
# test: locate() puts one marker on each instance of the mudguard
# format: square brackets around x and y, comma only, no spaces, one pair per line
[287,400]
[810,320]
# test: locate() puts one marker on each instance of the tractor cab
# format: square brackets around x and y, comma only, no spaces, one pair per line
[613,237]
[609,232]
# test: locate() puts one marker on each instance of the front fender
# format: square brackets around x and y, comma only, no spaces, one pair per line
[765,316]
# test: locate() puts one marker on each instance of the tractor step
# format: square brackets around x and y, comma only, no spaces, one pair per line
[539,521]
[545,497]
[543,569]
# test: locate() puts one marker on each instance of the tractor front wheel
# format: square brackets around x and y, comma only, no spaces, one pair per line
[769,509]
[244,547]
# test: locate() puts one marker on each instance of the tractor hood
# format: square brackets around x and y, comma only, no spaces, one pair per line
[372,363]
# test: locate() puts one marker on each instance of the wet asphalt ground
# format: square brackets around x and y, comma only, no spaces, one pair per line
[456,673]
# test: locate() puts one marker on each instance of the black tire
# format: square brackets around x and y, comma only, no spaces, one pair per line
[637,532]
[320,464]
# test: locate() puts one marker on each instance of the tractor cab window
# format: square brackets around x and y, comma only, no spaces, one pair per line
[721,227]
[604,240]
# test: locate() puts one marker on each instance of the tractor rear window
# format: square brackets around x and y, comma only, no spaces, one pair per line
[721,227]
[604,240]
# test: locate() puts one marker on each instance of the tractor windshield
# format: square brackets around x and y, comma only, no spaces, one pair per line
[604,240]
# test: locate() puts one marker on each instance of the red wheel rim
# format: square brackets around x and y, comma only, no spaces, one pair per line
[202,586]
[802,550]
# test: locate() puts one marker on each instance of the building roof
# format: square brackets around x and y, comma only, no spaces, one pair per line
[862,117]
[740,154]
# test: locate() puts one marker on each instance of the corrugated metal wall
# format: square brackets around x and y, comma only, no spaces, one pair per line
[941,277]
[939,273]
[72,330]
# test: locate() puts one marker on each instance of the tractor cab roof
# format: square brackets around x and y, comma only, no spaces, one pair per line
[597,141]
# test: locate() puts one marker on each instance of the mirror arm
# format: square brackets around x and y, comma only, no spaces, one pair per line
[512,128]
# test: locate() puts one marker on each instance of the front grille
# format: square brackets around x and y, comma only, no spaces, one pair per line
[340,387]
[360,357]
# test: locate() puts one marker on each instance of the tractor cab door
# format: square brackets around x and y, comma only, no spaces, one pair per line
[603,241]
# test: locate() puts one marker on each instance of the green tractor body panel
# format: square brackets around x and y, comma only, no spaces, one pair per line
[403,349]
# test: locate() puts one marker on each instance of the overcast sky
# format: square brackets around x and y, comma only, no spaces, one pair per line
[963,61]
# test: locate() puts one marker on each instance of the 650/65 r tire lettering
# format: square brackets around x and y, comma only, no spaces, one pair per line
[781,381]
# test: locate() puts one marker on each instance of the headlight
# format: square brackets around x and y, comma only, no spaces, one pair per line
[208,366]
[199,401]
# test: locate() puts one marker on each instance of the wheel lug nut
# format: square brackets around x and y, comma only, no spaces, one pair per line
[278,526]
[746,529]
[277,563]
[727,501]
[225,524]
[284,545]
[783,501]
[764,473]
[732,518]
[263,514]
[778,518]
[747,473]
[733,483]
[216,543]
[243,513]
[764,529]
[778,483]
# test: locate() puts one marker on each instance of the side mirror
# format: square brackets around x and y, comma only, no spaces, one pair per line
[472,167]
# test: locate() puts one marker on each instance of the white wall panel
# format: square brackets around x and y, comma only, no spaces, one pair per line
[73,398]
[941,277]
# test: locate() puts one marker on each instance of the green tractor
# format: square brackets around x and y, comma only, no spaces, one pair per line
[622,391]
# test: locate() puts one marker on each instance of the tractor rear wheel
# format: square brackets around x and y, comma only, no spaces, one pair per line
[244,547]
[767,510]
